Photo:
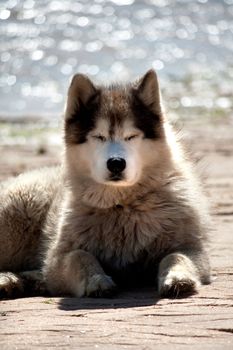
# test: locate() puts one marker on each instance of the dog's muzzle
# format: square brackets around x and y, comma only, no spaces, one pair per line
[115,161]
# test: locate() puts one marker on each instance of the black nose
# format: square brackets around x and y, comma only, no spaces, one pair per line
[116,165]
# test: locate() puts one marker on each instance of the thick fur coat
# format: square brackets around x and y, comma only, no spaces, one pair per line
[123,208]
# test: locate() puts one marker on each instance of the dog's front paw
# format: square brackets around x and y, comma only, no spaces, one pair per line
[176,284]
[100,285]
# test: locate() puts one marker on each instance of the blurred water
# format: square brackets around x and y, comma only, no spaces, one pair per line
[189,43]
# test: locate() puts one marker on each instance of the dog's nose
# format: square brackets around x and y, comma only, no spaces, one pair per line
[116,165]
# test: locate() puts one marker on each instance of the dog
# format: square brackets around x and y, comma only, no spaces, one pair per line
[124,208]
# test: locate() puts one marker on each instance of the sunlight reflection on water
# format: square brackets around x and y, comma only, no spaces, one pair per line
[44,42]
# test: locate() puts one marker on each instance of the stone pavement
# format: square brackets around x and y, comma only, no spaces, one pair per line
[138,319]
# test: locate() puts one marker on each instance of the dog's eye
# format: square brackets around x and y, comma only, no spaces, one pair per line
[129,138]
[100,138]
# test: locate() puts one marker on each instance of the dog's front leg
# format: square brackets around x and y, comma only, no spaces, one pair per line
[77,273]
[182,273]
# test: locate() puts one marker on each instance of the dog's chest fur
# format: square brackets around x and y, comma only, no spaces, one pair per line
[122,235]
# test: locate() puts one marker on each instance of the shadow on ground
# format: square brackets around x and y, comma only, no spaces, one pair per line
[140,297]
[123,299]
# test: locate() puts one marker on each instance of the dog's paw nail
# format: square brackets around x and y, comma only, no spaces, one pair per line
[173,287]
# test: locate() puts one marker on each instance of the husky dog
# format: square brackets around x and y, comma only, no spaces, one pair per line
[123,208]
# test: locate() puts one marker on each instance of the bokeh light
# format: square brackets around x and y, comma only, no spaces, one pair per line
[43,43]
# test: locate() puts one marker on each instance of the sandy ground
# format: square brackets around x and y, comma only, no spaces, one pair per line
[138,319]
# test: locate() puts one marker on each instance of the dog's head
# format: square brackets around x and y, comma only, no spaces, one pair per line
[113,133]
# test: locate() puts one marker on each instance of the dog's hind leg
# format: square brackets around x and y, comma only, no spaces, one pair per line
[11,285]
[22,284]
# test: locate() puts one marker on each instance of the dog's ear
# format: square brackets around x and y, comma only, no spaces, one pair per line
[81,93]
[147,90]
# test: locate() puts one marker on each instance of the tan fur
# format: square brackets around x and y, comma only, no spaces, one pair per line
[78,231]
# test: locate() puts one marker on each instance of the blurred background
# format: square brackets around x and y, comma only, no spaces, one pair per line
[43,43]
